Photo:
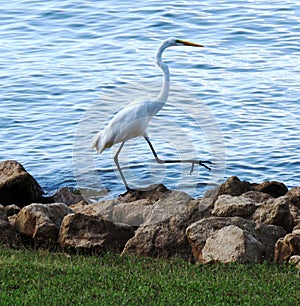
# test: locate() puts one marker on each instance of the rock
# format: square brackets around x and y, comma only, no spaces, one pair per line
[8,235]
[103,208]
[287,246]
[229,206]
[165,237]
[232,244]
[294,196]
[93,234]
[297,226]
[151,193]
[273,188]
[41,222]
[136,212]
[12,210]
[80,205]
[66,196]
[234,187]
[12,220]
[133,213]
[295,212]
[275,212]
[257,197]
[170,204]
[17,186]
[198,232]
[295,260]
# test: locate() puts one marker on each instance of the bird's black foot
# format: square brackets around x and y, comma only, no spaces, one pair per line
[201,163]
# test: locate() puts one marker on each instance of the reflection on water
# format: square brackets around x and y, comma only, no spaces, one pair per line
[67,67]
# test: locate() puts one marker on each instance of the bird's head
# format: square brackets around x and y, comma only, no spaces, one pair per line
[178,42]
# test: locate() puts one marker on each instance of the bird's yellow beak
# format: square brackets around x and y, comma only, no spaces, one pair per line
[188,43]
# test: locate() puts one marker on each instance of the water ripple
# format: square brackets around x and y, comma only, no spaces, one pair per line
[60,61]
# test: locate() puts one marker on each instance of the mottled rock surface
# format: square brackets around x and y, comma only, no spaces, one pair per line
[17,186]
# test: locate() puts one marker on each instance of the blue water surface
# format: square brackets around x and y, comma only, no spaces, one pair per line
[67,66]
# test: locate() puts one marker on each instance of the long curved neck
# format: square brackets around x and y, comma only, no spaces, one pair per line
[164,92]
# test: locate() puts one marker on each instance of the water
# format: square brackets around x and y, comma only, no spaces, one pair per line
[68,66]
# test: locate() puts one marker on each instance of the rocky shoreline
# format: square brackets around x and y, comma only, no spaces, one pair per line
[237,221]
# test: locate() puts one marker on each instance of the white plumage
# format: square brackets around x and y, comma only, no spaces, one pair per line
[132,121]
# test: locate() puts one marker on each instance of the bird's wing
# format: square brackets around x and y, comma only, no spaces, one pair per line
[130,122]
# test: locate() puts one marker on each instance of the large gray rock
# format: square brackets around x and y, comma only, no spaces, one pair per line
[93,234]
[257,197]
[17,186]
[232,244]
[237,206]
[136,210]
[163,233]
[200,231]
[275,212]
[41,222]
[133,213]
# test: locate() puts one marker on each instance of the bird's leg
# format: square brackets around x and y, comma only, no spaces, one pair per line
[192,161]
[119,168]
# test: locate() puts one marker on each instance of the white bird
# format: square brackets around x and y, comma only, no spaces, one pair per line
[132,121]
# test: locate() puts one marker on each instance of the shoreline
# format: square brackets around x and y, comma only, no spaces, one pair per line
[244,222]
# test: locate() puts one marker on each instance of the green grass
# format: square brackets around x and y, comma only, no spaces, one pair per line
[44,278]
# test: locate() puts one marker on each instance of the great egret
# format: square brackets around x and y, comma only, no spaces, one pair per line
[132,121]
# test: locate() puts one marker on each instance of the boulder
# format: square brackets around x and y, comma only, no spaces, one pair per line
[158,206]
[133,213]
[294,196]
[103,208]
[67,196]
[198,232]
[163,233]
[275,212]
[151,193]
[273,188]
[92,234]
[232,244]
[234,187]
[41,222]
[8,236]
[257,197]
[17,186]
[287,246]
[229,206]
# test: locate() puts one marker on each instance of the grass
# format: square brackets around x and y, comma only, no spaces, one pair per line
[30,277]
